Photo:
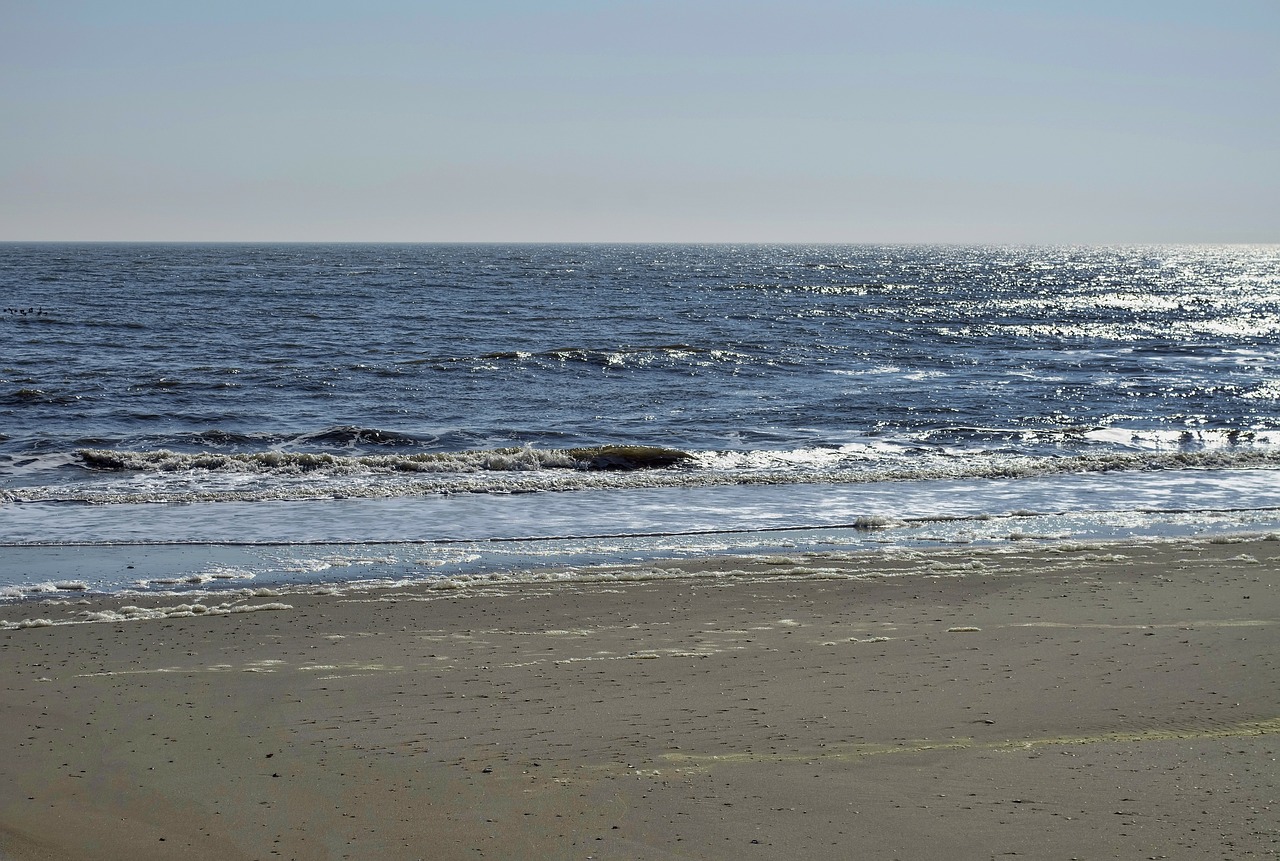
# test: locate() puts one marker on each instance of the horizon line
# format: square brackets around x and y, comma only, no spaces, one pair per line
[685,242]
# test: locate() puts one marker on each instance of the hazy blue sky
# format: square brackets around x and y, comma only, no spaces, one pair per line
[602,120]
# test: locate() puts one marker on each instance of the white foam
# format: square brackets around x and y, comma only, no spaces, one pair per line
[198,578]
[316,564]
[130,613]
[50,587]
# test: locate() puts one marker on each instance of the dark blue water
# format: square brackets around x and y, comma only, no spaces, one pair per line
[253,374]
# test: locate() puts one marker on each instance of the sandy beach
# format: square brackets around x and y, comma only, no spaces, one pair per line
[1107,701]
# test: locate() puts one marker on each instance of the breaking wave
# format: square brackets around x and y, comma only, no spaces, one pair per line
[608,457]
[165,476]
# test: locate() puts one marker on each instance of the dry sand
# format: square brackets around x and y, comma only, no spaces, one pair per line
[1114,702]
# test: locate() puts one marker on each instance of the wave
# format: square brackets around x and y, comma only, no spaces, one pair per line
[218,437]
[626,356]
[341,436]
[31,396]
[170,477]
[348,435]
[607,457]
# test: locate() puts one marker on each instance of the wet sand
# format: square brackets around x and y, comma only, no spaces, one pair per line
[1118,701]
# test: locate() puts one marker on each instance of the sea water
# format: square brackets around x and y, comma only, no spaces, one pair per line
[304,413]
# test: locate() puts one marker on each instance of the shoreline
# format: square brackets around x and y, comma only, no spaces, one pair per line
[201,571]
[1118,699]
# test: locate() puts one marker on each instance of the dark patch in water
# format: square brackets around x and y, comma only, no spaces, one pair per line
[348,435]
[628,457]
[37,396]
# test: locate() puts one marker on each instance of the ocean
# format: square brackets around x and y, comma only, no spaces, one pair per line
[185,417]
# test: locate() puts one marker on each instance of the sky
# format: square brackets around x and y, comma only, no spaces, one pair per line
[1006,121]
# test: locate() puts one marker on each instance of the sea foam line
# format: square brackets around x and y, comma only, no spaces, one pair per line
[141,614]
